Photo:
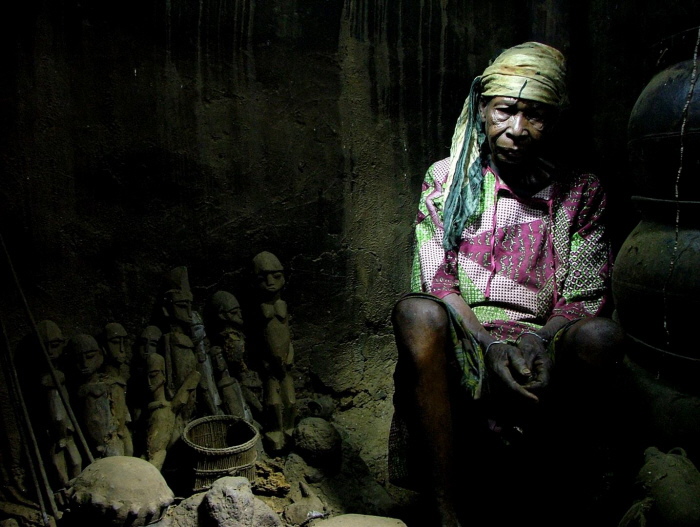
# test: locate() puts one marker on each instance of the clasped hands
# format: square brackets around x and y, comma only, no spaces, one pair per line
[523,366]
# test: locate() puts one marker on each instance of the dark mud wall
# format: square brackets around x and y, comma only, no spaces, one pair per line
[140,136]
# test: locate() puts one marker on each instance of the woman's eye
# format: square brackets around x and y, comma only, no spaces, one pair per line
[501,114]
[537,120]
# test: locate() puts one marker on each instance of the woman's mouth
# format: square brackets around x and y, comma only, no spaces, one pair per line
[513,155]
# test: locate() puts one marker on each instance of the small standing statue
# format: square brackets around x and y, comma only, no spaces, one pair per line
[162,429]
[180,362]
[210,398]
[117,352]
[53,417]
[224,316]
[278,353]
[181,320]
[233,401]
[138,394]
[101,397]
[177,301]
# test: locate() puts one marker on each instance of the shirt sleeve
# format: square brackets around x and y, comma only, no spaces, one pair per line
[434,270]
[585,289]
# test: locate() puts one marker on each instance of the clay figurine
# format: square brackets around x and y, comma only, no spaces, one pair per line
[177,301]
[59,433]
[117,351]
[233,402]
[177,308]
[278,353]
[180,362]
[100,400]
[209,397]
[225,319]
[138,395]
[161,432]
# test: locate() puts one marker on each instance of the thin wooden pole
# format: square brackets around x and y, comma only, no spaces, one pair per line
[52,370]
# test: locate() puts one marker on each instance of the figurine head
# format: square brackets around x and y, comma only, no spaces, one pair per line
[116,343]
[178,306]
[226,308]
[269,272]
[155,364]
[177,301]
[87,354]
[197,328]
[50,335]
[147,342]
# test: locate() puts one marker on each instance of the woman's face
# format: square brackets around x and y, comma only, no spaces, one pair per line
[515,128]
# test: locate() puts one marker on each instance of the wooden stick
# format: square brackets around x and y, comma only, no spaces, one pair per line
[33,455]
[52,370]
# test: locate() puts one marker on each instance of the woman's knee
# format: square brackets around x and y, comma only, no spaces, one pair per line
[420,328]
[598,341]
[421,313]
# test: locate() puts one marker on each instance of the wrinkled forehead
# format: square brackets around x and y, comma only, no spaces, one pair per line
[521,103]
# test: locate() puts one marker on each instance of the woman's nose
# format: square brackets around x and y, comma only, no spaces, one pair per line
[518,125]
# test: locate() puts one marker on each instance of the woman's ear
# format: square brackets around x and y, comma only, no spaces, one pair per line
[482,109]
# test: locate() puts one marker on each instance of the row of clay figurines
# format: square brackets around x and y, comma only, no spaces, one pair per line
[120,404]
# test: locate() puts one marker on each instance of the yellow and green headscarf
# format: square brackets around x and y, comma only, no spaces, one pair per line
[531,71]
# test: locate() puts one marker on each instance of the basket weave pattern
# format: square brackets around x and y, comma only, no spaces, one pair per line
[223,445]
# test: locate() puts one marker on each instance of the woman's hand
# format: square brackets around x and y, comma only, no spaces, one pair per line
[538,360]
[509,364]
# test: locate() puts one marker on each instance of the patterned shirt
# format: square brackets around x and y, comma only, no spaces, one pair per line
[521,260]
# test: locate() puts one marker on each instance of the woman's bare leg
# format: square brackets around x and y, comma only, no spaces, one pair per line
[421,330]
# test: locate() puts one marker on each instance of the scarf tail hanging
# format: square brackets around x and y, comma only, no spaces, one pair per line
[463,187]
[532,71]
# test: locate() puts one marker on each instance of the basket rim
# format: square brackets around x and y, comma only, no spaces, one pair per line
[213,472]
[220,451]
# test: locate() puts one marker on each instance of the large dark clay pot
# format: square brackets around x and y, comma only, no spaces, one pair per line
[663,134]
[656,277]
[656,280]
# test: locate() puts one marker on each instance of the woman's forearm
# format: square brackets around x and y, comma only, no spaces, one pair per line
[471,323]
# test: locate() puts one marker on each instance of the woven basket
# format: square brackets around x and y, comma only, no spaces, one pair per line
[223,445]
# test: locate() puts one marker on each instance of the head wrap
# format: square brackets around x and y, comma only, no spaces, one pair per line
[531,71]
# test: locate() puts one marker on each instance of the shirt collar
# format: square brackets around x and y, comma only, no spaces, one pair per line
[502,187]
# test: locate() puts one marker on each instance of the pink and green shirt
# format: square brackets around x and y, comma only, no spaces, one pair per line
[520,260]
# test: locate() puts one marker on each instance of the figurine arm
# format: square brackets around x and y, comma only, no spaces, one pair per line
[183,393]
[290,355]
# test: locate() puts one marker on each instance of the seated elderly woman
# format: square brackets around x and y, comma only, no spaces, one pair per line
[510,275]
